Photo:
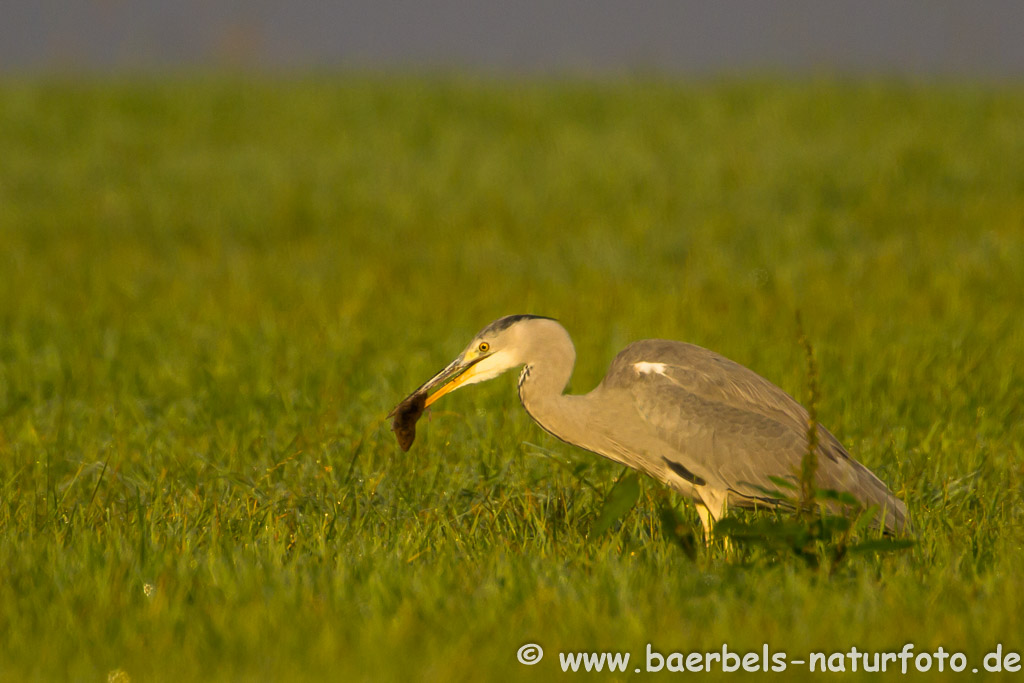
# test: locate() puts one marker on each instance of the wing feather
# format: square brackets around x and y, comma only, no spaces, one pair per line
[732,427]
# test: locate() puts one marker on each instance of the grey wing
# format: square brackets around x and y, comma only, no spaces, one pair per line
[714,377]
[733,428]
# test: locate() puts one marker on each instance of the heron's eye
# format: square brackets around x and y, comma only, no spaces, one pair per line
[484,347]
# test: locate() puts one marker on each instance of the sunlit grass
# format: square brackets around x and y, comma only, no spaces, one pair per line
[213,291]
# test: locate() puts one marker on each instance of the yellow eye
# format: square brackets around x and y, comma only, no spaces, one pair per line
[484,347]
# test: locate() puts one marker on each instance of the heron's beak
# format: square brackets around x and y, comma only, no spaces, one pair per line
[456,374]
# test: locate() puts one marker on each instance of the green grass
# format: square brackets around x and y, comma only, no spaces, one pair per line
[213,290]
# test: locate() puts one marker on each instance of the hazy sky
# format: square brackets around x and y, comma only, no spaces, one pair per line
[893,37]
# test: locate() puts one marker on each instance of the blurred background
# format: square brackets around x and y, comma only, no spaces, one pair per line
[926,38]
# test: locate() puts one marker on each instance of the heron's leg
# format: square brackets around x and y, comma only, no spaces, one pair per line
[710,509]
[706,521]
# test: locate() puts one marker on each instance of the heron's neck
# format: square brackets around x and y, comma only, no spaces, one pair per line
[541,387]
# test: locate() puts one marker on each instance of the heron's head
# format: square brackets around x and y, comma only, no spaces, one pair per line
[504,344]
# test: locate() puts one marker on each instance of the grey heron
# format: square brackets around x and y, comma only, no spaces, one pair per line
[706,426]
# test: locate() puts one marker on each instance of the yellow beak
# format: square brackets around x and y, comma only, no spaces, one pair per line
[449,379]
[446,388]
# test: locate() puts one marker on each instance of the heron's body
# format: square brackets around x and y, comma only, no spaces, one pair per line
[710,428]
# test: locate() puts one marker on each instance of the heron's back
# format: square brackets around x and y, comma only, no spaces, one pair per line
[728,425]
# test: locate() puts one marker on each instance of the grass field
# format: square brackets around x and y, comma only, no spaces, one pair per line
[212,291]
